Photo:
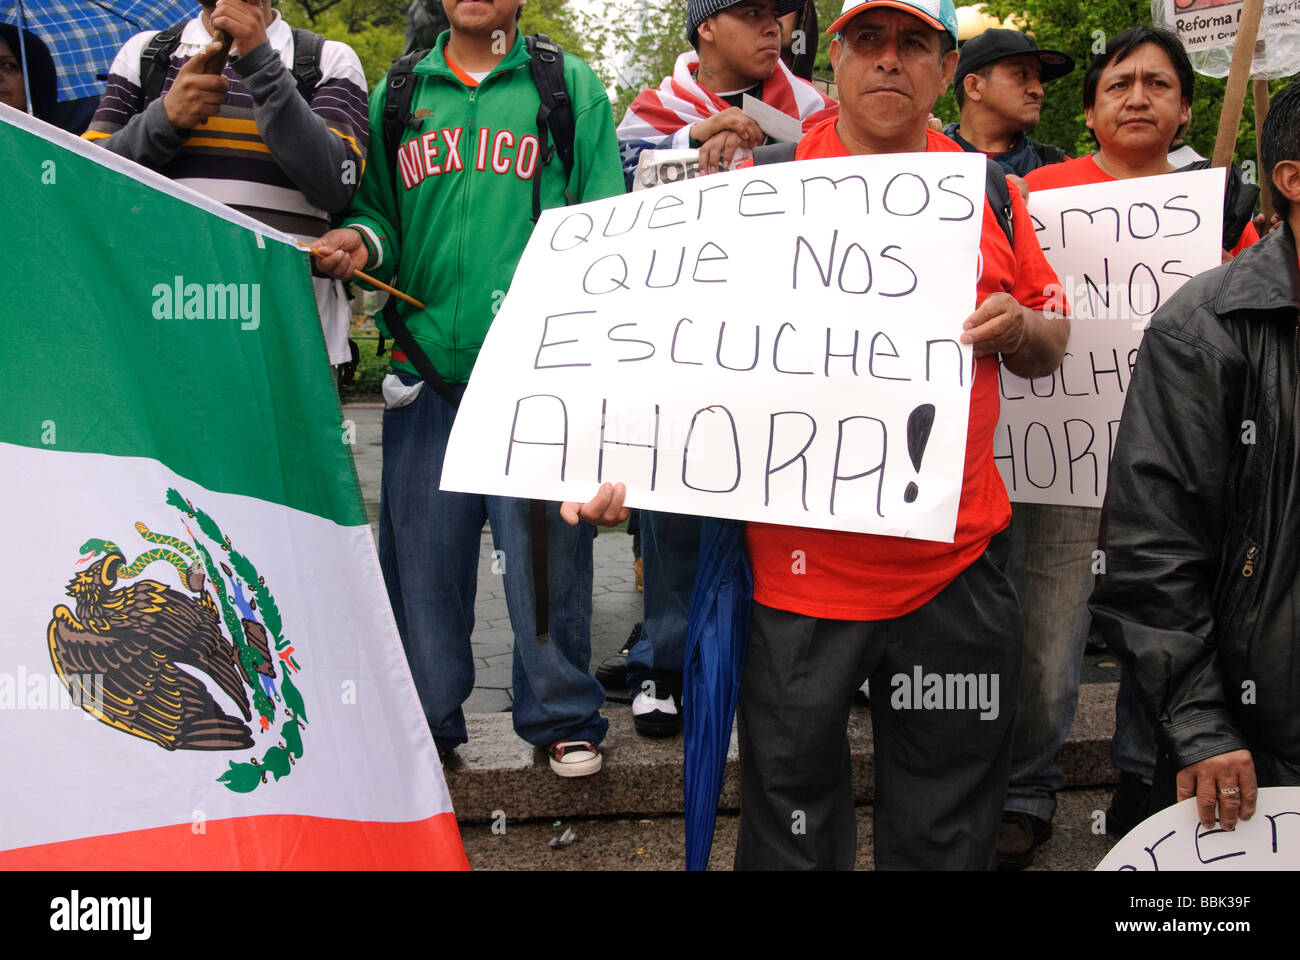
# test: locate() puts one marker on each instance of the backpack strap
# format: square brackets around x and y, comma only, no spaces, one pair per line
[415,353]
[774,153]
[306,61]
[1048,154]
[155,59]
[1239,198]
[399,93]
[555,113]
[998,192]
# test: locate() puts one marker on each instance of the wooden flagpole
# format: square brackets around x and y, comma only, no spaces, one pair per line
[1243,54]
[1259,91]
[371,280]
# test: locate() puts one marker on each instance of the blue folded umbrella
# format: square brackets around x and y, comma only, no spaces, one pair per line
[716,635]
[83,36]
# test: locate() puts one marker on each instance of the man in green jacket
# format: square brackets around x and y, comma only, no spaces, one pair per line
[446,220]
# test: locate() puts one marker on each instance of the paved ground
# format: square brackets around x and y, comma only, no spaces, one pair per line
[616,605]
[659,843]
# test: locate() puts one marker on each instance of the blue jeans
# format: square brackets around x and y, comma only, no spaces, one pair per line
[1051,567]
[429,552]
[1133,750]
[670,549]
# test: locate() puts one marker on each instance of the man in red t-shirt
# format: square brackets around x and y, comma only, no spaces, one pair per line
[887,608]
[1137,96]
[892,609]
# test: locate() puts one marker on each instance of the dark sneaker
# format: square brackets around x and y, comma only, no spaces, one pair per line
[1018,837]
[1128,807]
[612,671]
[657,709]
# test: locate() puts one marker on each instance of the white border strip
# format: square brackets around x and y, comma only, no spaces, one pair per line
[150,178]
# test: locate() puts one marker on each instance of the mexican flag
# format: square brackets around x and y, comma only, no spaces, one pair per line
[198,664]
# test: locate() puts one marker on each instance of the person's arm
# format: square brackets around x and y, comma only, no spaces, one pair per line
[321,147]
[1031,342]
[153,134]
[1162,533]
[1023,326]
[597,169]
[368,239]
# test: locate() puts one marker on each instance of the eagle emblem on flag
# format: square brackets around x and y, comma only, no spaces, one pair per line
[122,650]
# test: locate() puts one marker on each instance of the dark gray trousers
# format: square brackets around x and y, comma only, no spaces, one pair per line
[942,758]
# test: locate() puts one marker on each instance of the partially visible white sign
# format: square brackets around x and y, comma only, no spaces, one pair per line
[1174,839]
[777,125]
[1208,29]
[1120,250]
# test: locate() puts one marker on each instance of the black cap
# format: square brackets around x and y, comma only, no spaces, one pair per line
[697,11]
[993,45]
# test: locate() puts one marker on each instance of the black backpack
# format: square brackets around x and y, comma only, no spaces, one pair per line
[1239,199]
[995,183]
[1049,154]
[156,57]
[546,63]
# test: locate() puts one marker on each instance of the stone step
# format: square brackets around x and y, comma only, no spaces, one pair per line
[496,771]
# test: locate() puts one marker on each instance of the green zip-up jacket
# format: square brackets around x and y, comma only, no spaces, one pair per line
[452,227]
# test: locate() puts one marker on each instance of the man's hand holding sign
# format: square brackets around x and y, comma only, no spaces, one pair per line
[1029,341]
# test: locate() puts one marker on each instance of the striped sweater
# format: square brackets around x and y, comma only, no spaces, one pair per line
[266,153]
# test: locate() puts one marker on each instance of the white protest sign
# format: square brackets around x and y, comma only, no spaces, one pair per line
[1120,250]
[1174,839]
[779,343]
[777,125]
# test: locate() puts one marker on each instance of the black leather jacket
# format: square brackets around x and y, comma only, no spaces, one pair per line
[1201,526]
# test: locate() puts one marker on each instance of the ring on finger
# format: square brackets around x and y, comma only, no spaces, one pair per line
[1230,790]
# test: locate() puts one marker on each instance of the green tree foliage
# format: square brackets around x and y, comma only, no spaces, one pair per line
[571,31]
[827,11]
[642,39]
[376,29]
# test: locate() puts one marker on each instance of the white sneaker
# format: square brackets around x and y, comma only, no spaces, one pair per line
[574,758]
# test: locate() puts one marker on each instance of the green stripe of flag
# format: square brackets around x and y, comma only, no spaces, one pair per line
[141,325]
